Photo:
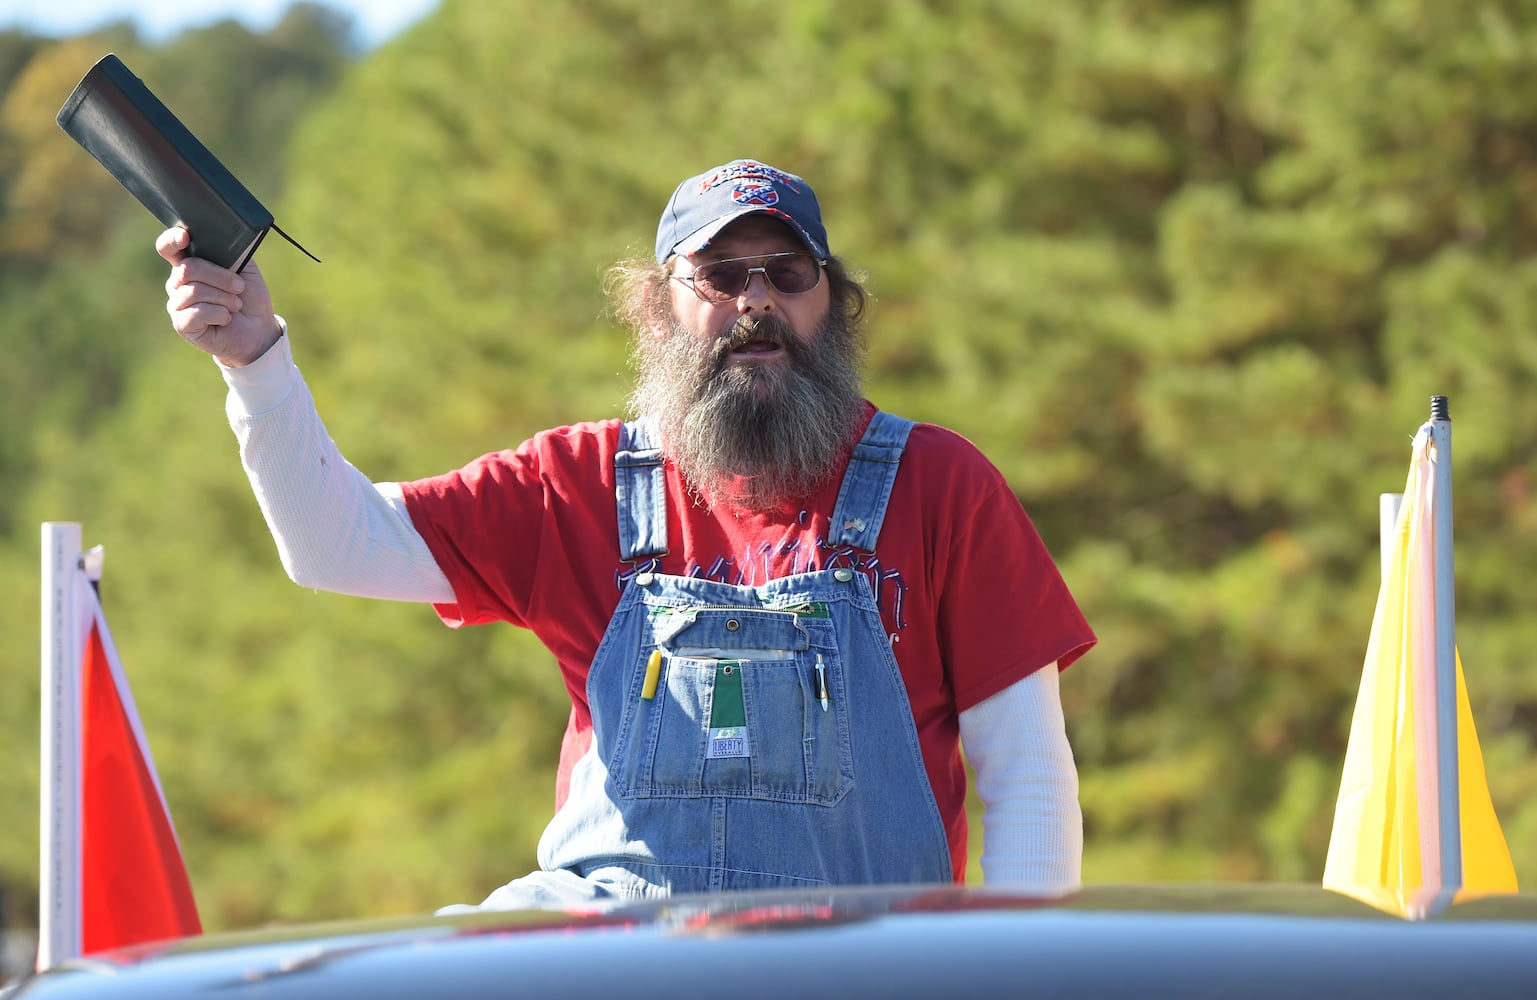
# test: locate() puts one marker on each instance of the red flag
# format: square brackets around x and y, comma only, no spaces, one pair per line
[111,869]
[133,884]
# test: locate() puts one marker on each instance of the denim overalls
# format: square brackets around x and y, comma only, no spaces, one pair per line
[743,737]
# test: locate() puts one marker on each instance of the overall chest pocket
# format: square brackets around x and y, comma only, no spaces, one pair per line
[742,703]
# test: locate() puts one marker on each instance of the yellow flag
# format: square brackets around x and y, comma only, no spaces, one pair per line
[1385,848]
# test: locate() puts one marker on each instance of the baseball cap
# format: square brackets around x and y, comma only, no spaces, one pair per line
[704,205]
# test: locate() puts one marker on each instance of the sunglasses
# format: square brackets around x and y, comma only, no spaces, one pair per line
[721,280]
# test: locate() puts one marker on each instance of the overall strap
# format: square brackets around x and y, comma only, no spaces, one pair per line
[866,488]
[640,487]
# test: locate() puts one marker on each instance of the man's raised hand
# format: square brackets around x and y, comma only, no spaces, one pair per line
[228,315]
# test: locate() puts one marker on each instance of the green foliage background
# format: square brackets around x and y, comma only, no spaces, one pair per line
[1188,270]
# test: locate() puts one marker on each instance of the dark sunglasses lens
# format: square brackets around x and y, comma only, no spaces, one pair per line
[793,274]
[721,281]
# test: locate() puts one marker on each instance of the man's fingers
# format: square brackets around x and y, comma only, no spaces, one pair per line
[173,243]
[182,294]
[195,270]
[196,321]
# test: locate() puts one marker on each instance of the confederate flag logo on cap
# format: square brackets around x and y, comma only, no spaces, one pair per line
[756,193]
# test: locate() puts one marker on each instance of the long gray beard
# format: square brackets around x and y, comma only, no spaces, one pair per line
[746,435]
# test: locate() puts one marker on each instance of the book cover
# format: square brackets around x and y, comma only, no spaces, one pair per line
[119,121]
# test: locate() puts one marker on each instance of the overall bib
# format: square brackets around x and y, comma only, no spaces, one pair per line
[744,737]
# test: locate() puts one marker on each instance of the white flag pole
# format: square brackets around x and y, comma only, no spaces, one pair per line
[59,927]
[1446,650]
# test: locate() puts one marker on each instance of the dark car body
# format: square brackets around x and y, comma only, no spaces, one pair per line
[925,941]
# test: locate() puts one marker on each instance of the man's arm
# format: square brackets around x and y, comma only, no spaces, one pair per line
[1032,830]
[334,529]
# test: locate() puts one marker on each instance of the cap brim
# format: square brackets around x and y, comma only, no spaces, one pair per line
[701,238]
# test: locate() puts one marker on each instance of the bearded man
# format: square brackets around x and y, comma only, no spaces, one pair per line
[780,612]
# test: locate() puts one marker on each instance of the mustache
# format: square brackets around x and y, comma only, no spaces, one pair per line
[769,329]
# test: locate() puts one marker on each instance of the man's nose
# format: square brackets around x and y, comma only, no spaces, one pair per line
[757,296]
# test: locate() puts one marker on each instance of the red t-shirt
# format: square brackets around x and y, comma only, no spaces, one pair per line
[968,593]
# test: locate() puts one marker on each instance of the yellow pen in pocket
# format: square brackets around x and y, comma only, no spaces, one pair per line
[653,671]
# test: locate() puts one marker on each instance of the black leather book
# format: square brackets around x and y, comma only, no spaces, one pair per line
[151,153]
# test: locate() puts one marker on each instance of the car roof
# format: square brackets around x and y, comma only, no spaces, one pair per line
[1177,940]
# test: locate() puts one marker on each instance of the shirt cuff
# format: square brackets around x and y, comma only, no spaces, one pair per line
[265,383]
